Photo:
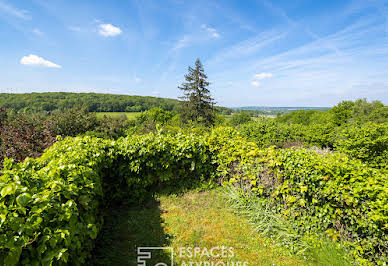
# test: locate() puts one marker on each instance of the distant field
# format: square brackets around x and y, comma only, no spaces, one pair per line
[130,115]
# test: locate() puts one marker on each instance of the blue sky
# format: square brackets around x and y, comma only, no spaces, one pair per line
[264,53]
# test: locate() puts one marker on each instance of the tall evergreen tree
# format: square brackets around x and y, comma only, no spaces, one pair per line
[197,105]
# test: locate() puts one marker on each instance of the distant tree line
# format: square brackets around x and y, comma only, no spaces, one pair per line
[94,102]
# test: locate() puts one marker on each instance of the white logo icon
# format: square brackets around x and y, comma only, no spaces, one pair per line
[145,253]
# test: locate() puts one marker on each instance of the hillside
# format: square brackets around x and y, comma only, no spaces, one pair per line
[95,102]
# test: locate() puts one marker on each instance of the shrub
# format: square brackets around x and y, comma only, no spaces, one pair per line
[50,206]
[317,192]
[239,118]
[23,137]
[111,127]
[155,115]
[320,135]
[368,142]
[266,132]
[72,122]
[3,115]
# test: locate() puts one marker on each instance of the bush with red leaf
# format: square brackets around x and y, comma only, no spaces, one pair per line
[22,138]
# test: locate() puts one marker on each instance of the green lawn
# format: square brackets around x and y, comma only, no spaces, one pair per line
[130,115]
[194,219]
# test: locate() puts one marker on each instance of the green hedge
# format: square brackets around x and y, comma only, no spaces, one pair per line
[50,206]
[317,191]
[367,142]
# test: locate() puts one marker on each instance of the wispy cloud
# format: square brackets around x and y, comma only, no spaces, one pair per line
[312,69]
[108,30]
[34,60]
[292,23]
[260,76]
[248,47]
[181,43]
[321,71]
[211,31]
[37,32]
[263,75]
[352,40]
[196,36]
[19,13]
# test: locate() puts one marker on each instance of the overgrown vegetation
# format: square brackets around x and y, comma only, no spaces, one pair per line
[316,191]
[263,216]
[50,206]
[358,129]
[325,176]
[28,135]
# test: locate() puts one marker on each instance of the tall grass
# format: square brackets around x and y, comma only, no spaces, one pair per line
[314,249]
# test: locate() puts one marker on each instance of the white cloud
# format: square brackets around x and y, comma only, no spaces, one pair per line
[138,80]
[23,14]
[34,60]
[108,30]
[255,83]
[212,31]
[263,75]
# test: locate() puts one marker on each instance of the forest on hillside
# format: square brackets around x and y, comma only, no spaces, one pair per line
[95,102]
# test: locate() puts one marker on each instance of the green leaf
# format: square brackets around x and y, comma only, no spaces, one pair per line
[8,190]
[23,199]
[13,256]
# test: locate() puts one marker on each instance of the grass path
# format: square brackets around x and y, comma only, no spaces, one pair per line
[194,219]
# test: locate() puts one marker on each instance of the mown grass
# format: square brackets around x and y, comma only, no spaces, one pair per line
[193,219]
[129,115]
